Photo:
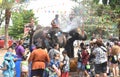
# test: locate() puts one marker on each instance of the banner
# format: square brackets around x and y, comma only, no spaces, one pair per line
[17,1]
[26,0]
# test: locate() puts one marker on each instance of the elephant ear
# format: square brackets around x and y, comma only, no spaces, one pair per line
[37,34]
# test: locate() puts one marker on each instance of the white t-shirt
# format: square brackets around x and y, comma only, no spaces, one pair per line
[100,55]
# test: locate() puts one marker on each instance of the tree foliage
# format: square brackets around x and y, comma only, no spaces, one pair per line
[19,20]
[101,17]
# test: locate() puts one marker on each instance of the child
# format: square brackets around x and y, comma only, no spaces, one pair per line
[24,68]
[55,66]
[88,67]
[65,65]
[8,64]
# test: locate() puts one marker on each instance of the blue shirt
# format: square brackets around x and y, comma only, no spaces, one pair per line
[9,62]
[55,62]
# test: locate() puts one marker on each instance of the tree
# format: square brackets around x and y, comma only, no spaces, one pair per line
[7,5]
[2,17]
[104,16]
[19,20]
[114,11]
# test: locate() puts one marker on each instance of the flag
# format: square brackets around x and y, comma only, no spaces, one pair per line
[0,1]
[9,0]
[17,1]
[26,0]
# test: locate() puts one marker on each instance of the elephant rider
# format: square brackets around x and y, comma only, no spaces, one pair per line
[55,22]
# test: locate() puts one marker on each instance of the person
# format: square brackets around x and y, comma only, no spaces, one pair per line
[85,58]
[24,68]
[8,64]
[54,66]
[39,57]
[79,63]
[54,50]
[100,53]
[55,22]
[31,32]
[20,51]
[65,65]
[115,51]
[88,67]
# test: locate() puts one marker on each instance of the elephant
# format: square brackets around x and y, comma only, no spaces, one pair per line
[47,36]
[75,34]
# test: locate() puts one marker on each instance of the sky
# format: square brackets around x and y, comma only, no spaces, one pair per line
[45,10]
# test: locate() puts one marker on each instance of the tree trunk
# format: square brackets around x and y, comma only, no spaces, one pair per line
[7,19]
[6,36]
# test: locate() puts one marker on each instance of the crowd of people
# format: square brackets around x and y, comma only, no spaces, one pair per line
[99,59]
[39,63]
[96,59]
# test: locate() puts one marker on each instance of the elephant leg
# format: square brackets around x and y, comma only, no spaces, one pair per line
[70,48]
[71,51]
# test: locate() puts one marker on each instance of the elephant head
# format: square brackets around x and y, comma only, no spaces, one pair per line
[75,34]
[78,34]
[48,36]
[55,35]
[39,37]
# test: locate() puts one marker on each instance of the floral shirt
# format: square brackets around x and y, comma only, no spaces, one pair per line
[9,62]
[100,55]
[66,62]
[57,64]
[54,62]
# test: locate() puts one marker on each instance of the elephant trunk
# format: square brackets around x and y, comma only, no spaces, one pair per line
[84,36]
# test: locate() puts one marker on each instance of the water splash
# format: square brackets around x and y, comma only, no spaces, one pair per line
[75,19]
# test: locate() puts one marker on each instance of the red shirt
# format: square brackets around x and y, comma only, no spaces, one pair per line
[85,56]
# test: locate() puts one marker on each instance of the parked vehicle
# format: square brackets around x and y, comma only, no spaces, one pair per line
[2,42]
